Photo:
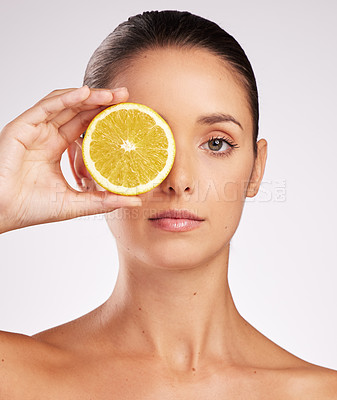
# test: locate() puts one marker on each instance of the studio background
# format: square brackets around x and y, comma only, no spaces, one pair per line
[282,269]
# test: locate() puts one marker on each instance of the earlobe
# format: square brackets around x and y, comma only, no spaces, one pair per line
[258,169]
[83,179]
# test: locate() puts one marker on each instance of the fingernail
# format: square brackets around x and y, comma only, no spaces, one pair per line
[86,184]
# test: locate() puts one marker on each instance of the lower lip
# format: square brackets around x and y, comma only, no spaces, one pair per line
[176,224]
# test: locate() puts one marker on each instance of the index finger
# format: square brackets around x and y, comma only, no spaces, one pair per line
[57,92]
[50,105]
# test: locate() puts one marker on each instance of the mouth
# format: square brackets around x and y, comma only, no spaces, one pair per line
[177,214]
[176,220]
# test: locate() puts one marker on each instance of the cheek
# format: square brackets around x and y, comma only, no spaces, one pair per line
[122,222]
[234,190]
[225,181]
[225,195]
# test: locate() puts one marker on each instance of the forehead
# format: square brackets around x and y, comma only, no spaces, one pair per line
[194,80]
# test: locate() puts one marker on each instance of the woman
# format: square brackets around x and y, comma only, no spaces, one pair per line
[170,329]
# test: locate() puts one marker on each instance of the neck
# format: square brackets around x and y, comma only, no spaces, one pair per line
[180,316]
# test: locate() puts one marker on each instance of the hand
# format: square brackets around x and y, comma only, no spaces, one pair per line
[33,189]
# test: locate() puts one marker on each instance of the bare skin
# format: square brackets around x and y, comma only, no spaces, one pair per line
[170,329]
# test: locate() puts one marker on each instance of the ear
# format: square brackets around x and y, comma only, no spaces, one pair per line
[83,179]
[258,169]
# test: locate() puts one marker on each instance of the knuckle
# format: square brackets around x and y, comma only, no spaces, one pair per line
[45,109]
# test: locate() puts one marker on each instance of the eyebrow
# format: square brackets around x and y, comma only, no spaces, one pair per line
[211,119]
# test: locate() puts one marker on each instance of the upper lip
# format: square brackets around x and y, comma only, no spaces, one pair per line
[176,213]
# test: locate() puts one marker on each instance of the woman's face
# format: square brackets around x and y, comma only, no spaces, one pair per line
[208,178]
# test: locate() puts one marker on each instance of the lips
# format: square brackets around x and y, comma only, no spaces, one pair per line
[176,221]
[176,214]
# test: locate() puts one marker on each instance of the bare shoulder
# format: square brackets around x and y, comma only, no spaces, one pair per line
[307,381]
[299,380]
[74,336]
[16,347]
[314,382]
[24,360]
[293,377]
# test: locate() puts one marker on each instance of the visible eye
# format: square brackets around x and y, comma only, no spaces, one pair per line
[215,144]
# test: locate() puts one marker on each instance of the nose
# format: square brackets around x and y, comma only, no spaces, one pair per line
[181,179]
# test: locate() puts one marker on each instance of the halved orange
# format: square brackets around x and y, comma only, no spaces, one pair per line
[128,149]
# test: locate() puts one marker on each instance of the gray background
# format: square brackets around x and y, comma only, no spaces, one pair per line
[283,255]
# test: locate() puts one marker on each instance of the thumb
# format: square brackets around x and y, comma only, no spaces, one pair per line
[79,204]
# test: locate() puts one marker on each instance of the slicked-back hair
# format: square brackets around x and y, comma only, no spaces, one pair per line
[170,28]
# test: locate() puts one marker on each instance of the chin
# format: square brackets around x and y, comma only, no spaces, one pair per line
[174,255]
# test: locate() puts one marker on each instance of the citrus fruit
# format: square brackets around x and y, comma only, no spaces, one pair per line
[128,148]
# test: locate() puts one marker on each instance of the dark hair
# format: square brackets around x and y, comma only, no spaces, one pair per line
[160,29]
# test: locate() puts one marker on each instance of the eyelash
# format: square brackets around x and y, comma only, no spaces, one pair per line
[225,153]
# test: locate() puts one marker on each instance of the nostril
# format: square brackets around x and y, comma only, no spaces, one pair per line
[187,189]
